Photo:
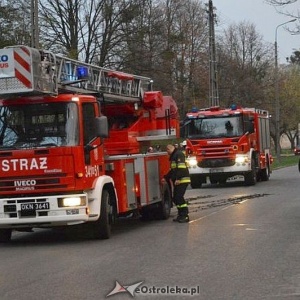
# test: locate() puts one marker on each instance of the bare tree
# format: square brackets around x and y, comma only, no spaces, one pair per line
[59,28]
[89,30]
[111,37]
[244,61]
[191,62]
[142,28]
[281,2]
[173,42]
[289,8]
[14,23]
[167,40]
[290,96]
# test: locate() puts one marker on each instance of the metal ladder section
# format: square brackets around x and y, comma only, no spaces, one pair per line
[76,76]
[28,70]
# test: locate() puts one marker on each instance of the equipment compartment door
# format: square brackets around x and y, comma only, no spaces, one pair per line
[130,185]
[152,180]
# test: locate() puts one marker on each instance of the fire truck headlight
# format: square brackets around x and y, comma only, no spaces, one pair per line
[241,159]
[191,161]
[71,201]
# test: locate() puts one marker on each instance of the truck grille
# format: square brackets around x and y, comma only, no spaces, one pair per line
[38,183]
[215,151]
[10,208]
[216,156]
[216,163]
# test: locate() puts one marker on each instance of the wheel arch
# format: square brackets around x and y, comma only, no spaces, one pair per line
[95,196]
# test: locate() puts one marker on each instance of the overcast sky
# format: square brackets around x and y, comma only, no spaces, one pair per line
[264,17]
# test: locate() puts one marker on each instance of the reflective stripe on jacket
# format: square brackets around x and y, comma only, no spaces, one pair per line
[178,167]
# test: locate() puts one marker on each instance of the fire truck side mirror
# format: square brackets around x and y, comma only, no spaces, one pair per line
[101,125]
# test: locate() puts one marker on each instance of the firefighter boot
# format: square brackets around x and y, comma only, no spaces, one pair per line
[177,218]
[179,215]
[183,217]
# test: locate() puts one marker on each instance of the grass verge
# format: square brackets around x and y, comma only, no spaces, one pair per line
[285,161]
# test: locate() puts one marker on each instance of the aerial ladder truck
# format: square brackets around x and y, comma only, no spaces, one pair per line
[72,139]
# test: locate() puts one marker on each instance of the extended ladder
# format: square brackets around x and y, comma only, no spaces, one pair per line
[32,71]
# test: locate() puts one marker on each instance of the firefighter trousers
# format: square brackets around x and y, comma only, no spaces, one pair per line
[178,199]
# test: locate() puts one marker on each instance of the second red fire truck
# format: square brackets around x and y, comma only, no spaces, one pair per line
[226,144]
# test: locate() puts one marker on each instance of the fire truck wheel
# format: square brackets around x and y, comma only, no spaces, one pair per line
[5,235]
[265,173]
[222,181]
[250,177]
[164,207]
[102,227]
[196,182]
[212,180]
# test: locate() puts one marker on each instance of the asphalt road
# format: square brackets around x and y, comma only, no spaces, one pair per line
[241,243]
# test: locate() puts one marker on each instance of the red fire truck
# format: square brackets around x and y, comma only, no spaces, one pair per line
[71,143]
[231,143]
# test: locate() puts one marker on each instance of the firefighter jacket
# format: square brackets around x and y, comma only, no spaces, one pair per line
[178,168]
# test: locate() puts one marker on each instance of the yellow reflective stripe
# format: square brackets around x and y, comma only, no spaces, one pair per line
[182,206]
[183,167]
[179,166]
[185,180]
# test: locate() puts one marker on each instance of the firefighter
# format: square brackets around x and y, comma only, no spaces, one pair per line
[179,178]
[183,147]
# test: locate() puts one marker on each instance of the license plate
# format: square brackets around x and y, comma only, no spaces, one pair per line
[216,170]
[34,206]
[72,211]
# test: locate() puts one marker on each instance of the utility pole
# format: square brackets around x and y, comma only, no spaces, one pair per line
[213,78]
[34,9]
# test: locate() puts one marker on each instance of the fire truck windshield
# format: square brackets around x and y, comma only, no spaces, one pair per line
[214,127]
[38,125]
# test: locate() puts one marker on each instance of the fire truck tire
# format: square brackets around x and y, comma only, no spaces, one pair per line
[5,235]
[196,182]
[265,173]
[164,207]
[160,210]
[251,177]
[102,227]
[222,181]
[212,180]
